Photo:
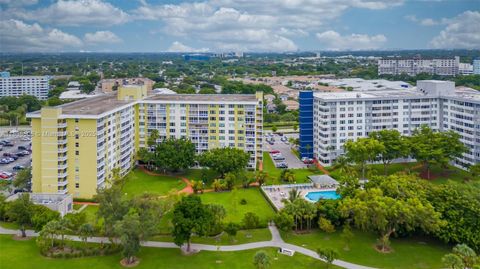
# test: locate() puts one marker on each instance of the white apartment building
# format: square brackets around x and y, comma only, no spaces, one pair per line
[415,66]
[342,116]
[37,86]
[465,69]
[476,67]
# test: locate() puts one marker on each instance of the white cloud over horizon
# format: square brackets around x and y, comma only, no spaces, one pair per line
[462,31]
[332,40]
[180,47]
[101,37]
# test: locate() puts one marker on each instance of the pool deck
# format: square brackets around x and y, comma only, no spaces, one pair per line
[276,193]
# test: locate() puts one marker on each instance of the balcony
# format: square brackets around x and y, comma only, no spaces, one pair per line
[62,183]
[62,158]
[62,141]
[62,125]
[62,191]
[62,166]
[62,175]
[62,150]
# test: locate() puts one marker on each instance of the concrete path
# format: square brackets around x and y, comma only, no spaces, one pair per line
[276,242]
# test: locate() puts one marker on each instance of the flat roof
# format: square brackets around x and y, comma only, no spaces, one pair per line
[203,97]
[97,105]
[91,106]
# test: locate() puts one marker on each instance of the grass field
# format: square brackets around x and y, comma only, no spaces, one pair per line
[25,255]
[413,252]
[242,237]
[138,182]
[235,211]
[301,175]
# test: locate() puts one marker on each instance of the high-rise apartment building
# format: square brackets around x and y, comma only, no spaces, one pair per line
[76,146]
[37,86]
[328,120]
[417,65]
[476,67]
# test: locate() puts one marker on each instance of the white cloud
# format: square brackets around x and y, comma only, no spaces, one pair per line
[427,21]
[74,13]
[267,25]
[179,47]
[334,41]
[101,37]
[18,3]
[462,31]
[18,36]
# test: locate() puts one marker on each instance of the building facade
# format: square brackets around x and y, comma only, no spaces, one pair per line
[37,86]
[112,84]
[338,117]
[476,67]
[77,147]
[417,65]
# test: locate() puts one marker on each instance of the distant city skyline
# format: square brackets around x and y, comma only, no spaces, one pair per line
[243,25]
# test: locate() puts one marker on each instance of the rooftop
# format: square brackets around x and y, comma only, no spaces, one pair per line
[100,104]
[203,97]
[359,84]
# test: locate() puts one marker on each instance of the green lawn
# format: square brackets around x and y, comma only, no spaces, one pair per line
[301,175]
[413,252]
[76,206]
[25,255]
[242,237]
[91,213]
[235,211]
[138,182]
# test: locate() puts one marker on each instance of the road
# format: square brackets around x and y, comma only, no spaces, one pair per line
[290,158]
[276,242]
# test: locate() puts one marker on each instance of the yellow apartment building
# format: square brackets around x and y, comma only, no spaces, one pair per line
[76,146]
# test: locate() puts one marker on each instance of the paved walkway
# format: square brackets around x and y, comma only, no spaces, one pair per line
[276,242]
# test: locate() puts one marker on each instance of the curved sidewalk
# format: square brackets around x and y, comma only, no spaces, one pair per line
[276,242]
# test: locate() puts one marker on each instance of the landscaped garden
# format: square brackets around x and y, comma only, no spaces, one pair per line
[413,252]
[25,255]
[300,175]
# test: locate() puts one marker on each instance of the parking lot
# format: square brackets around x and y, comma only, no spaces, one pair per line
[284,147]
[18,140]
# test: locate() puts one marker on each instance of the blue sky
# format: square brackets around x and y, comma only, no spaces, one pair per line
[237,25]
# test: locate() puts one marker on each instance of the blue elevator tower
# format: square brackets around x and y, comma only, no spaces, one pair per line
[306,123]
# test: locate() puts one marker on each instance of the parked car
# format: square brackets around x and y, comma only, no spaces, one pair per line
[279,158]
[307,160]
[274,151]
[3,176]
[18,167]
[284,138]
[22,148]
[281,165]
[280,134]
[25,138]
[8,174]
[8,144]
[20,154]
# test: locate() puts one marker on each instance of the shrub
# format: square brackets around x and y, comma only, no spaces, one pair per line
[325,225]
[243,201]
[251,221]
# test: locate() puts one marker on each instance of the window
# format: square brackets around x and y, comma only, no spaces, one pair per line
[76,144]
[77,185]
[77,152]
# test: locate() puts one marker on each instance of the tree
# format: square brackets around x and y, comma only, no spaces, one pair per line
[395,146]
[325,225]
[21,212]
[371,210]
[430,147]
[293,195]
[346,235]
[287,176]
[197,186]
[129,231]
[261,260]
[230,179]
[153,137]
[284,221]
[295,127]
[251,220]
[85,231]
[41,215]
[23,178]
[217,213]
[475,171]
[189,216]
[225,160]
[453,261]
[328,255]
[217,185]
[468,255]
[342,164]
[174,154]
[261,177]
[362,151]
[112,207]
[231,229]
[274,128]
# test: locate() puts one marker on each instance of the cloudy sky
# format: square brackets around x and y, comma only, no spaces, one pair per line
[237,25]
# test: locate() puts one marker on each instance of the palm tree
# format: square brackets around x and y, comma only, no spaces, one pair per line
[85,231]
[261,260]
[293,195]
[217,185]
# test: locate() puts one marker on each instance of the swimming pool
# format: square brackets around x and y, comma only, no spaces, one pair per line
[317,195]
